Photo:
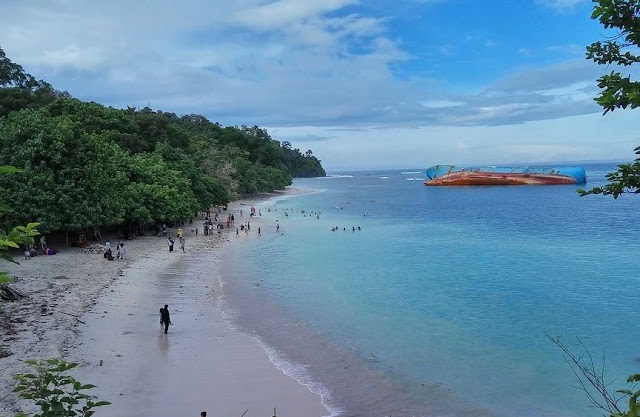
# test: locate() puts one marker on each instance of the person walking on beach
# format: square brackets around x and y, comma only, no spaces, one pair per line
[182,243]
[170,242]
[122,251]
[165,319]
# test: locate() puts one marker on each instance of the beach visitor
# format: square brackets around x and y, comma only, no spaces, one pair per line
[196,230]
[107,245]
[27,253]
[118,251]
[182,243]
[122,251]
[165,319]
[237,231]
[170,242]
[278,227]
[258,231]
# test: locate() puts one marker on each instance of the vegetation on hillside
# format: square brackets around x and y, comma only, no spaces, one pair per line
[84,165]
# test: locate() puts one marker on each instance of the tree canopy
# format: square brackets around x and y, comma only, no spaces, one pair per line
[82,165]
[618,91]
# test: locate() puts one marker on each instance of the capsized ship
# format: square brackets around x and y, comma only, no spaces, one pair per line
[491,175]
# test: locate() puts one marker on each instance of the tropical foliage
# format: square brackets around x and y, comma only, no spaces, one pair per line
[84,165]
[19,236]
[618,91]
[56,393]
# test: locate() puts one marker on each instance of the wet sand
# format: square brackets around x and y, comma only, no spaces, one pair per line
[202,364]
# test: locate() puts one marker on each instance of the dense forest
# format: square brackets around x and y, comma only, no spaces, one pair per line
[84,165]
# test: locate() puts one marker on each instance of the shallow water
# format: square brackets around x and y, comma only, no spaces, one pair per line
[442,302]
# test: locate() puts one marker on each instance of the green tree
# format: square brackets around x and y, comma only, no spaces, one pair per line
[618,91]
[20,90]
[623,16]
[19,236]
[85,165]
[68,179]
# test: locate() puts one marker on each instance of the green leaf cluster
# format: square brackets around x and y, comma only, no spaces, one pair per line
[632,396]
[20,235]
[82,165]
[56,393]
[625,180]
[622,18]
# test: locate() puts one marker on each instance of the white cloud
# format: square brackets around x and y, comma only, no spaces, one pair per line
[279,14]
[562,5]
[524,51]
[570,49]
[317,66]
[586,137]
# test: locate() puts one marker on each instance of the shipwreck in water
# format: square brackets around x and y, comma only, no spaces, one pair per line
[443,175]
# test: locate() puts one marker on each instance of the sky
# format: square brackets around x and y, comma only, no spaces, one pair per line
[365,84]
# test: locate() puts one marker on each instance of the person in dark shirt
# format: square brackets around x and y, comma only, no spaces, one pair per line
[165,319]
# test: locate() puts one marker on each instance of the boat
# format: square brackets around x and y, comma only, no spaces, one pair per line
[443,175]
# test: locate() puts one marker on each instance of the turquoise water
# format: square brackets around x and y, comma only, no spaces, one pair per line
[441,303]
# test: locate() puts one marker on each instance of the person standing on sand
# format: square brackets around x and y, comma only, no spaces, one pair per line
[122,251]
[182,243]
[259,231]
[165,319]
[170,242]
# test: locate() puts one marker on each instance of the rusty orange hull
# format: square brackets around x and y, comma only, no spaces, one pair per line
[495,178]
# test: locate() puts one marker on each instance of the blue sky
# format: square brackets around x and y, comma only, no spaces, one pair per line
[365,84]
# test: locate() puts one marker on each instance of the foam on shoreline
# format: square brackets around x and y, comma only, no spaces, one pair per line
[203,364]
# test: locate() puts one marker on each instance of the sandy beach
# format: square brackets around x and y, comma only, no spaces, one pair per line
[83,308]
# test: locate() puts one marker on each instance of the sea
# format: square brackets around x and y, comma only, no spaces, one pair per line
[441,301]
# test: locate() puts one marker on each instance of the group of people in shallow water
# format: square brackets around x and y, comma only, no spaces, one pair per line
[353,228]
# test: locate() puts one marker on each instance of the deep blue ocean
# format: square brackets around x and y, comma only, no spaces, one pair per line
[440,304]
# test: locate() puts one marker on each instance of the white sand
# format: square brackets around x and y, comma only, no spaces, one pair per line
[202,364]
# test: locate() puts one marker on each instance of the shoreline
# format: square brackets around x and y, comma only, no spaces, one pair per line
[114,319]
